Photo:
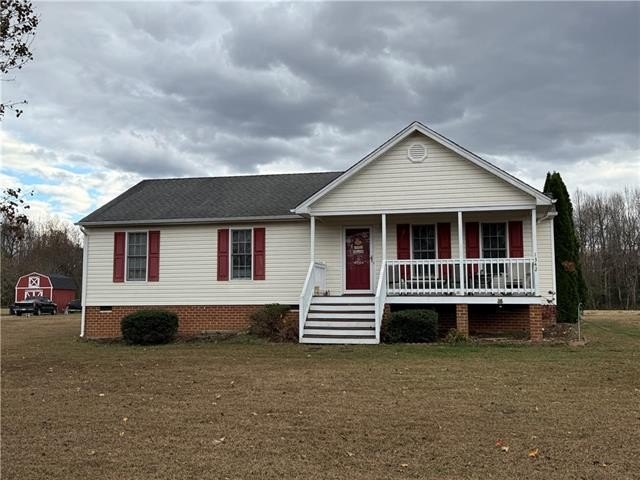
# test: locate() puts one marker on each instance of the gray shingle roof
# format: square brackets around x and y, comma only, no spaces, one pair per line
[62,281]
[210,198]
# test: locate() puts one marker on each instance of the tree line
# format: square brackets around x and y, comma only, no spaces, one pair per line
[608,233]
[48,247]
[27,246]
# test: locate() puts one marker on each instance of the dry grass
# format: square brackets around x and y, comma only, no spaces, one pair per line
[73,409]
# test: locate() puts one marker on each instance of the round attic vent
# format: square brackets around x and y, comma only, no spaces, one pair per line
[417,152]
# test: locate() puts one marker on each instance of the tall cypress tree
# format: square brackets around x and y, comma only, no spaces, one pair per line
[570,285]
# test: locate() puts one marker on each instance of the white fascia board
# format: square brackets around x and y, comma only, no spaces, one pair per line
[541,198]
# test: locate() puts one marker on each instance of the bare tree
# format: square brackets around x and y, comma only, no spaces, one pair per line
[608,229]
[18,23]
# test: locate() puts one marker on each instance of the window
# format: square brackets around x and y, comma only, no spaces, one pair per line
[494,240]
[424,242]
[137,256]
[241,254]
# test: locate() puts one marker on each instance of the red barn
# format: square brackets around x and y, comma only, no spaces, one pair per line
[59,288]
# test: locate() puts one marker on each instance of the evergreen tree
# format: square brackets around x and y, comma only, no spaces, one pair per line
[570,285]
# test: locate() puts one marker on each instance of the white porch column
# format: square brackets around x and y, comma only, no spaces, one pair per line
[534,248]
[461,251]
[312,241]
[384,238]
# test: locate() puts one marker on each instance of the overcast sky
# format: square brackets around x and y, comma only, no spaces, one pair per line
[119,92]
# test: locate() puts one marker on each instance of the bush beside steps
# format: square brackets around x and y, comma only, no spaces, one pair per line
[149,327]
[411,326]
[273,323]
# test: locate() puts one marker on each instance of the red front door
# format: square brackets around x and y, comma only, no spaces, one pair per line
[358,259]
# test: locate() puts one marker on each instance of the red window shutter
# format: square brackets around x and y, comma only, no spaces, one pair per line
[403,239]
[258,253]
[223,254]
[119,239]
[516,244]
[444,240]
[472,234]
[473,240]
[154,256]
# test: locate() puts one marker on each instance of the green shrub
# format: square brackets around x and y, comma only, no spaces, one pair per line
[149,327]
[455,337]
[411,326]
[271,322]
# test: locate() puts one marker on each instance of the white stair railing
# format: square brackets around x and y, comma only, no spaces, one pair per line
[380,300]
[316,278]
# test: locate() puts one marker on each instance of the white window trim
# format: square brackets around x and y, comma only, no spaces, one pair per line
[230,247]
[126,258]
[506,240]
[435,230]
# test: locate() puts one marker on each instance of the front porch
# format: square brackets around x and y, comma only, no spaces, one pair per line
[425,258]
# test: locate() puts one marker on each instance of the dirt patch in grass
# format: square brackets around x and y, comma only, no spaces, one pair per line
[75,410]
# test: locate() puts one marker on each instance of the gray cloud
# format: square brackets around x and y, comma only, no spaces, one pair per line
[163,89]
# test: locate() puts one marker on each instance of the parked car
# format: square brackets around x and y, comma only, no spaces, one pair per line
[35,306]
[73,306]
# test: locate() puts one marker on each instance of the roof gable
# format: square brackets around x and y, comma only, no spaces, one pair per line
[417,127]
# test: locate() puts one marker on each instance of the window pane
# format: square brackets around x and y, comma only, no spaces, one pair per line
[137,256]
[424,242]
[494,240]
[241,254]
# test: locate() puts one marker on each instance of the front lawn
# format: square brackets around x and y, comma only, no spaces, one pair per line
[78,410]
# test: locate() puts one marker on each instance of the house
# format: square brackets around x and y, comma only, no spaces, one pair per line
[58,288]
[419,222]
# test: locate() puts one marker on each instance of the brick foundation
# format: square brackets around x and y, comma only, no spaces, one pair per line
[488,319]
[462,318]
[194,319]
[535,323]
[496,320]
[548,315]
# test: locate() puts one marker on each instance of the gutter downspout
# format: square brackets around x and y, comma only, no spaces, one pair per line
[85,268]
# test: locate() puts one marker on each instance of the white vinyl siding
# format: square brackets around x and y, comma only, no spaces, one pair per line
[443,180]
[188,260]
[545,260]
[188,257]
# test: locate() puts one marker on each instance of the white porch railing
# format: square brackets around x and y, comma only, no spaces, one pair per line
[481,276]
[381,297]
[316,278]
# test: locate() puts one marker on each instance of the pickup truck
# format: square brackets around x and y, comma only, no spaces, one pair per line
[35,306]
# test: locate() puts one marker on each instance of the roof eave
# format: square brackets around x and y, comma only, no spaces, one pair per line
[189,221]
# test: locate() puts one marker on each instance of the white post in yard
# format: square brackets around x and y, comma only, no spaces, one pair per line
[461,251]
[312,242]
[534,249]
[384,239]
